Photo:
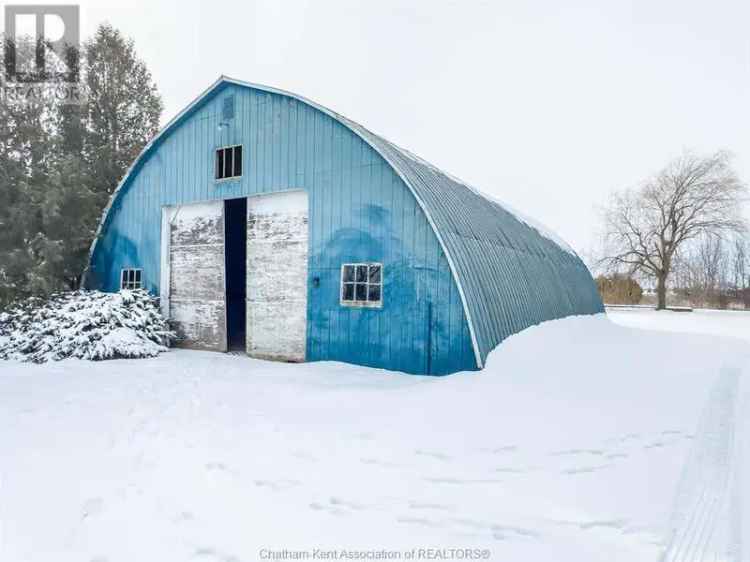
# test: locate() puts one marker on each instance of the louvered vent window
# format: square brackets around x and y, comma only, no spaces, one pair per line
[229,162]
[227,108]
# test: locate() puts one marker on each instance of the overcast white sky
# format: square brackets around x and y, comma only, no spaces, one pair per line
[548,105]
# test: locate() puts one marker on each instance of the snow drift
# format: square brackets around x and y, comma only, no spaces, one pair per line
[84,325]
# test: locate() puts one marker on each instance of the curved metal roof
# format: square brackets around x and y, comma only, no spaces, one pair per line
[510,272]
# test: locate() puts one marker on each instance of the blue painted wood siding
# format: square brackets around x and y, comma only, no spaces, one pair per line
[360,210]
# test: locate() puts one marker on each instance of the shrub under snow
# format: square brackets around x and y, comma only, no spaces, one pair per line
[85,325]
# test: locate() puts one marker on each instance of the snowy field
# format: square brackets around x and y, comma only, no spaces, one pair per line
[734,323]
[585,439]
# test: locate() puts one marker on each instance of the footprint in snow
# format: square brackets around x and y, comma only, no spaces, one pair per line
[423,521]
[305,455]
[497,531]
[317,506]
[624,526]
[512,470]
[345,503]
[613,456]
[92,507]
[585,469]
[501,450]
[445,480]
[183,517]
[448,480]
[505,532]
[337,506]
[277,485]
[617,524]
[434,454]
[567,452]
[430,506]
[625,438]
[213,554]
[668,438]
[377,462]
[471,523]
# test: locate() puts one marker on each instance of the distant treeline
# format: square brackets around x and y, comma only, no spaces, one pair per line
[713,272]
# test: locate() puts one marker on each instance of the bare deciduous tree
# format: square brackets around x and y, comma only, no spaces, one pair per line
[700,273]
[740,265]
[646,228]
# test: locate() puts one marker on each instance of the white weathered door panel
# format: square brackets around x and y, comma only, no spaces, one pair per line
[197,297]
[277,248]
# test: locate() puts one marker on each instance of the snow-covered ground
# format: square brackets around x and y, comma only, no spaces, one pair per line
[729,323]
[583,440]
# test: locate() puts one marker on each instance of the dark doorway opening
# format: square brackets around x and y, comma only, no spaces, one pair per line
[235,240]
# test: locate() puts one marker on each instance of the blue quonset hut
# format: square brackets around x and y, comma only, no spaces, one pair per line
[269,223]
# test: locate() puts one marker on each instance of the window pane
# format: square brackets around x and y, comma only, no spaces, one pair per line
[237,161]
[348,292]
[361,273]
[219,164]
[137,275]
[361,292]
[374,293]
[374,274]
[228,163]
[348,273]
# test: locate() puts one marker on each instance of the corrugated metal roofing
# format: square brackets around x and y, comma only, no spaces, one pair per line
[511,275]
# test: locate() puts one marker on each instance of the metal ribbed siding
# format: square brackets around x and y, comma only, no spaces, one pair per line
[513,276]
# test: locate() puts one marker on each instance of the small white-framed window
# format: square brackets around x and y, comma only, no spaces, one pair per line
[131,279]
[362,284]
[229,162]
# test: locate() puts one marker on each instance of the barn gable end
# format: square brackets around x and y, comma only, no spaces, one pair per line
[360,211]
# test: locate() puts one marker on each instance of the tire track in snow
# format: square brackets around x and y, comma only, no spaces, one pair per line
[737,499]
[707,512]
[2,519]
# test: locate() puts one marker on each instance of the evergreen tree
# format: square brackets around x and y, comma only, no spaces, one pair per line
[26,157]
[124,106]
[60,163]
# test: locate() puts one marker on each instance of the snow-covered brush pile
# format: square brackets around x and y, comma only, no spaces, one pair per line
[85,325]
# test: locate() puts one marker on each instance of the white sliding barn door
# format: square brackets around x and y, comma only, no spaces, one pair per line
[193,274]
[277,247]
